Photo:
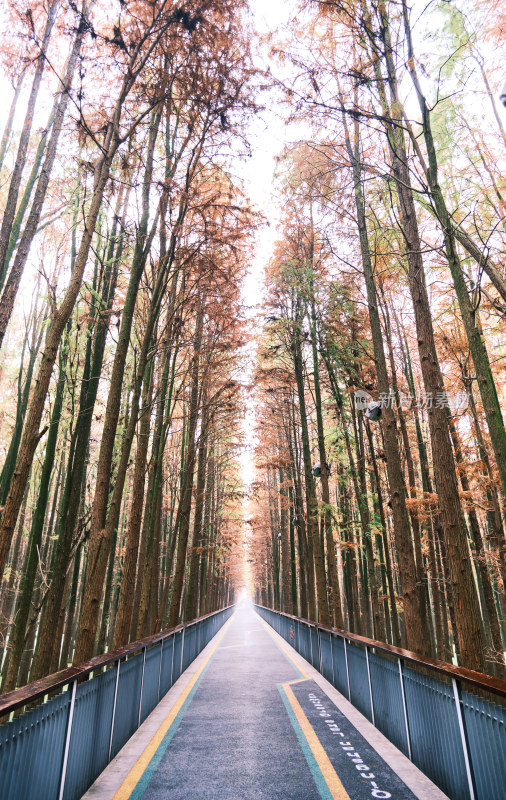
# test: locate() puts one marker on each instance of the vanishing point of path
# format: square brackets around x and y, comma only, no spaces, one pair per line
[252,724]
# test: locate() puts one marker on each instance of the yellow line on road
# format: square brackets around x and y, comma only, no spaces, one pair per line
[328,772]
[137,771]
[286,651]
[330,776]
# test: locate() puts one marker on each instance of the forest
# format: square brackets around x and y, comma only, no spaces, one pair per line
[336,450]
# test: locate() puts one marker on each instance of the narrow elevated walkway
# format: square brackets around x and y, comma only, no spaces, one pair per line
[251,720]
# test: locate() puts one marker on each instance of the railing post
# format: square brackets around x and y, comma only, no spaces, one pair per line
[113,718]
[405,709]
[347,668]
[310,644]
[67,740]
[370,684]
[332,659]
[182,653]
[319,649]
[142,685]
[457,693]
[160,669]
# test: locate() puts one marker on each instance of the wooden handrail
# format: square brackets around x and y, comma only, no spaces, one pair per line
[32,691]
[480,679]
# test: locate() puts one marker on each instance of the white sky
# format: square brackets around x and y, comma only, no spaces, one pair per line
[267,134]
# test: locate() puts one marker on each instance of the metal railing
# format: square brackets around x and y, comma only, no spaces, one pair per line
[449,721]
[56,750]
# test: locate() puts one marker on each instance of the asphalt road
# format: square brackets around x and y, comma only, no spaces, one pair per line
[255,728]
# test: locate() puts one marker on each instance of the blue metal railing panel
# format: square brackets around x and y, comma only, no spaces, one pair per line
[190,646]
[177,657]
[486,729]
[204,637]
[305,647]
[275,621]
[339,665]
[272,619]
[150,683]
[208,631]
[166,674]
[431,718]
[32,746]
[387,699]
[287,627]
[296,642]
[198,639]
[303,639]
[31,751]
[359,682]
[326,654]
[91,726]
[203,634]
[315,650]
[127,702]
[436,745]
[187,647]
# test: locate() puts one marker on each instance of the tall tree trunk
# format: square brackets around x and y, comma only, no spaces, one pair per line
[71,610]
[186,492]
[417,632]
[481,558]
[284,528]
[495,524]
[467,610]
[37,528]
[484,377]
[145,585]
[8,596]
[314,544]
[206,529]
[15,181]
[71,501]
[103,521]
[436,532]
[37,322]
[106,607]
[272,483]
[421,580]
[337,611]
[383,547]
[123,621]
[31,433]
[360,494]
[7,131]
[14,278]
[60,317]
[192,591]
[306,567]
[27,193]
